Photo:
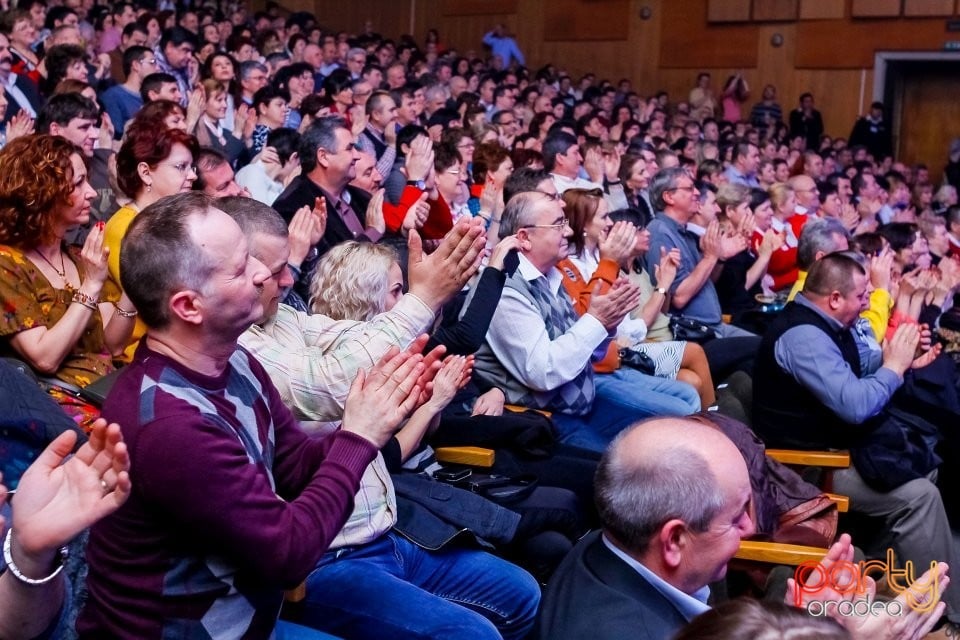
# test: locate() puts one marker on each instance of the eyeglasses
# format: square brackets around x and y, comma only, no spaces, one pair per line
[553,196]
[149,61]
[559,226]
[690,189]
[183,167]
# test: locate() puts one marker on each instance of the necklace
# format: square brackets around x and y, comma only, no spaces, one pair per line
[62,271]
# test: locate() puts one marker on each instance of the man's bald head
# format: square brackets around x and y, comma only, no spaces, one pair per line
[660,470]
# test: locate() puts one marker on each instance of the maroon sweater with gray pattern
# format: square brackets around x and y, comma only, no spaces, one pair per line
[231,503]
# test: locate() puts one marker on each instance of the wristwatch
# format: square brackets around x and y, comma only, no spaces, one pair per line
[661,291]
[419,184]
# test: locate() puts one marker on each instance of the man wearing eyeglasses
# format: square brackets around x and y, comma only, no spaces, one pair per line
[122,101]
[538,352]
[328,159]
[677,200]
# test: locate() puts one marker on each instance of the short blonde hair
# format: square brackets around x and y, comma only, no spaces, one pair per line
[351,280]
[779,192]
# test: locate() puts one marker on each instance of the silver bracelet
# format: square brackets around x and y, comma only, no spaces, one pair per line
[15,570]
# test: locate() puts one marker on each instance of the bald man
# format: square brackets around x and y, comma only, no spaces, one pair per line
[673,495]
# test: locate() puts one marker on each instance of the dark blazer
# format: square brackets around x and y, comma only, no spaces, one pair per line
[597,596]
[303,191]
[30,90]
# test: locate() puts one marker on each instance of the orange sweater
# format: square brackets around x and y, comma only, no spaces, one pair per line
[580,291]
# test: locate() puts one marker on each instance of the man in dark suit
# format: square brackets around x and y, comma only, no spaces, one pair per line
[673,496]
[328,158]
[20,91]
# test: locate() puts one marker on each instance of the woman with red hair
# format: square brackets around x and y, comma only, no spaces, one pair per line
[60,314]
[153,162]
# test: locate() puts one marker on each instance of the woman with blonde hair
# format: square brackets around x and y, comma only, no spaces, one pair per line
[349,282]
[783,262]
[209,131]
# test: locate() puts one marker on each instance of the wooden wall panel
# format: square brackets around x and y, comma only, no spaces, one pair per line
[875,8]
[928,7]
[728,10]
[566,20]
[687,40]
[851,44]
[775,10]
[822,9]
[478,7]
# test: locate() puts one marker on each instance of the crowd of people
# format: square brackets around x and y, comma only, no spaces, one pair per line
[286,264]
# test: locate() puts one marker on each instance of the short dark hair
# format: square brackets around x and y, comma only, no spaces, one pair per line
[253,216]
[131,55]
[64,107]
[264,95]
[320,134]
[523,179]
[285,141]
[832,272]
[557,143]
[158,257]
[154,82]
[177,36]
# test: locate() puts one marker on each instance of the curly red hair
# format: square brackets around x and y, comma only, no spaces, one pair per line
[149,144]
[36,181]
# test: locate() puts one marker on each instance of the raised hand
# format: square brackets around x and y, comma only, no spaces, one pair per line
[56,500]
[898,351]
[19,125]
[611,307]
[881,266]
[666,271]
[500,251]
[419,158]
[93,257]
[771,242]
[380,399]
[617,243]
[611,165]
[593,164]
[434,278]
[374,214]
[306,229]
[417,214]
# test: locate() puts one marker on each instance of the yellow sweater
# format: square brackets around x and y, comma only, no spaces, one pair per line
[114,231]
[877,314]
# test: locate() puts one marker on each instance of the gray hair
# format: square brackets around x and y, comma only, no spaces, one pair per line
[321,134]
[819,235]
[664,180]
[253,216]
[248,67]
[158,257]
[436,91]
[636,498]
[519,212]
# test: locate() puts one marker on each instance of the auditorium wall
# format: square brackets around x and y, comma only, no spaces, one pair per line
[826,47]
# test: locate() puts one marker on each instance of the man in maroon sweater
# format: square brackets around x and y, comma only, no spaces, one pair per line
[232,502]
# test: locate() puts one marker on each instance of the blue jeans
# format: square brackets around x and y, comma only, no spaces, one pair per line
[391,588]
[289,631]
[624,397]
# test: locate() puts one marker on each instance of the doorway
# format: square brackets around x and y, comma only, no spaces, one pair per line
[923,90]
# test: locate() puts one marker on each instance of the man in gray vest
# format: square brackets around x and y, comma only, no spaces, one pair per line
[540,354]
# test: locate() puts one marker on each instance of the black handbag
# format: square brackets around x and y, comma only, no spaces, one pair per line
[690,330]
[638,360]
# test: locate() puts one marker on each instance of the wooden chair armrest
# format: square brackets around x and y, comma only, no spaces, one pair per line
[834,459]
[843,502]
[470,456]
[518,409]
[778,553]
